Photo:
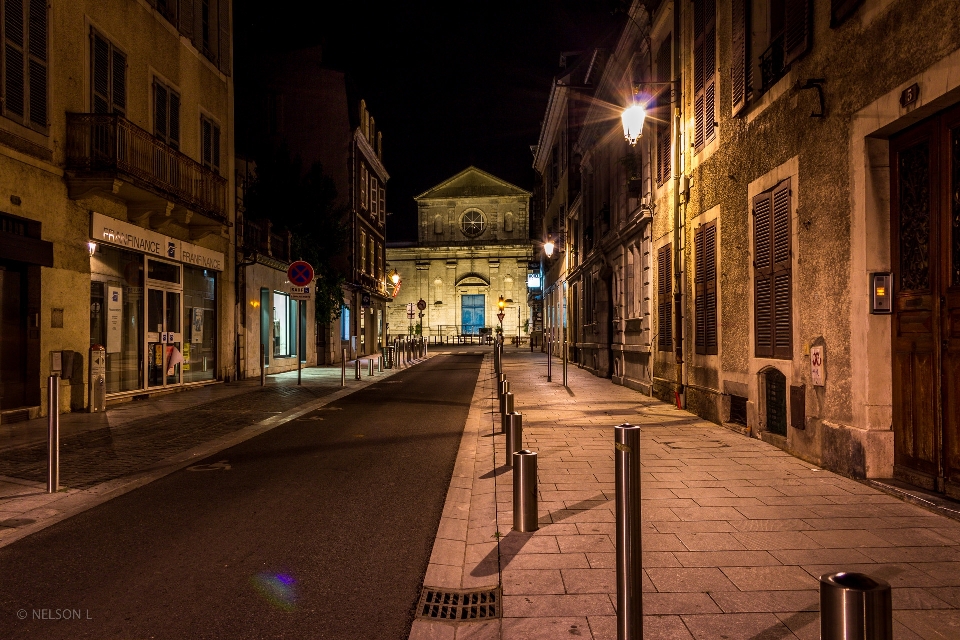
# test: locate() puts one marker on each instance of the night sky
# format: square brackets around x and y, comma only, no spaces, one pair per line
[448,88]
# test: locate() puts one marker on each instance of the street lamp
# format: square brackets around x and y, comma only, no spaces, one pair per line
[501,303]
[394,277]
[632,118]
[548,246]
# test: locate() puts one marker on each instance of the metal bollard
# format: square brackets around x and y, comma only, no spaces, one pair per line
[357,362]
[514,429]
[854,606]
[549,361]
[380,364]
[564,363]
[53,434]
[369,366]
[525,490]
[343,368]
[263,369]
[501,378]
[504,388]
[506,407]
[629,565]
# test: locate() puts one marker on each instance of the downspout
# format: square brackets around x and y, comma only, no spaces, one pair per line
[677,235]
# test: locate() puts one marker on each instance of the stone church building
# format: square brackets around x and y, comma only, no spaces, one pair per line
[473,246]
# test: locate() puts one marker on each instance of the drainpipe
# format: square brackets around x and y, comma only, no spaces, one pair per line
[678,258]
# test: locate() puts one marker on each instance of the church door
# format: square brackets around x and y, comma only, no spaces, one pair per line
[925,251]
[471,314]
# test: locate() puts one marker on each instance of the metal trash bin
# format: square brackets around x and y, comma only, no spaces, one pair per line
[855,606]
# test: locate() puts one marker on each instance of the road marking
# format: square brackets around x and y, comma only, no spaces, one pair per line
[223,465]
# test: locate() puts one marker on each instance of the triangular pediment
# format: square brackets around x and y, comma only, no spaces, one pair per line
[472,183]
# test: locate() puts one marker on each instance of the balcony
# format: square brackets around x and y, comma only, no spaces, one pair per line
[109,155]
[772,66]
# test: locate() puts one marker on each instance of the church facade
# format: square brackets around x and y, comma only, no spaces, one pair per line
[473,246]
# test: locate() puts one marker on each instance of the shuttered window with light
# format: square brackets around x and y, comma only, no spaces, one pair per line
[665,297]
[773,273]
[23,33]
[210,143]
[109,76]
[166,114]
[664,109]
[705,253]
[704,72]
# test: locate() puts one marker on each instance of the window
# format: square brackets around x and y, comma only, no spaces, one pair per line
[381,207]
[166,114]
[379,274]
[284,326]
[704,72]
[210,143]
[766,36]
[773,280]
[373,259]
[705,250]
[508,222]
[109,77]
[628,285]
[472,223]
[665,297]
[740,75]
[24,37]
[666,117]
[374,201]
[363,186]
[344,323]
[362,251]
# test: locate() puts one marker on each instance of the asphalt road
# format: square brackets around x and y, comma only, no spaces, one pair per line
[320,528]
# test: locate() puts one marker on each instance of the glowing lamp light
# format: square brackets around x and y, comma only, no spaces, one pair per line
[92,247]
[501,303]
[394,277]
[633,118]
[548,246]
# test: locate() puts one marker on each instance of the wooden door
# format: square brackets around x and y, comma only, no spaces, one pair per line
[914,233]
[950,304]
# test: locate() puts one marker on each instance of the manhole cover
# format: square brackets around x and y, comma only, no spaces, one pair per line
[462,606]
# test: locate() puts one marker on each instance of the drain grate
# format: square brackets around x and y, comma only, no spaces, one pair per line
[460,606]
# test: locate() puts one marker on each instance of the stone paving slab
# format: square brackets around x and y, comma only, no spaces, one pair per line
[735,531]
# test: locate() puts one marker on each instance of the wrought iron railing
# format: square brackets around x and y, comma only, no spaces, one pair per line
[772,65]
[109,142]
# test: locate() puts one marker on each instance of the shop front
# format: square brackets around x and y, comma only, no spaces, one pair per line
[153,307]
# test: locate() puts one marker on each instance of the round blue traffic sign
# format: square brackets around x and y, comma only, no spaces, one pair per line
[300,273]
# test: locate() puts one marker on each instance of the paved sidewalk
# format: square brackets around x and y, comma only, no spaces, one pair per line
[107,454]
[735,531]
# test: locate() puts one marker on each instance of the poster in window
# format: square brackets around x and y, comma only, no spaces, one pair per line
[196,335]
[114,319]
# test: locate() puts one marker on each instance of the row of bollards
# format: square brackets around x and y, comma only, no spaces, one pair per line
[853,606]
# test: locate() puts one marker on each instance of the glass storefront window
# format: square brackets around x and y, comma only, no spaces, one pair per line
[163,271]
[199,324]
[116,315]
[282,325]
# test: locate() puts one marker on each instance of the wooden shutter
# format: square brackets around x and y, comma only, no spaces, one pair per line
[223,21]
[796,30]
[160,110]
[383,203]
[174,130]
[705,249]
[782,274]
[37,48]
[664,127]
[738,54]
[704,71]
[101,75]
[665,298]
[215,152]
[119,88]
[206,142]
[186,18]
[14,89]
[773,279]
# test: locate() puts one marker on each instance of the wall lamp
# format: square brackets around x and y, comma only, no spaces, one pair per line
[551,245]
[633,116]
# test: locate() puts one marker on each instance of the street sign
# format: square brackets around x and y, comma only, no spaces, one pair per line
[410,312]
[421,304]
[299,293]
[300,273]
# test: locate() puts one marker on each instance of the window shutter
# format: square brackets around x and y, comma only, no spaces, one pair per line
[663,128]
[101,75]
[665,298]
[186,18]
[762,274]
[206,142]
[710,287]
[224,36]
[782,274]
[119,97]
[700,296]
[383,203]
[698,73]
[709,70]
[796,30]
[174,131]
[37,47]
[160,110]
[215,159]
[738,55]
[14,91]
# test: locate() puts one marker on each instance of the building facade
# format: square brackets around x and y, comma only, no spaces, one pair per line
[116,162]
[313,112]
[473,247]
[802,254]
